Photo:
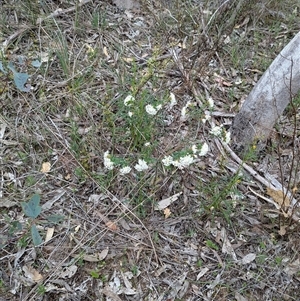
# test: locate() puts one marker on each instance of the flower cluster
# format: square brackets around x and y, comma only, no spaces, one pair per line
[110,164]
[128,101]
[125,170]
[188,159]
[151,110]
[173,101]
[206,117]
[220,132]
[142,165]
[184,110]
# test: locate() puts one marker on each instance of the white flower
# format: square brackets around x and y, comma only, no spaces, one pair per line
[125,170]
[150,110]
[210,102]
[227,138]
[183,162]
[141,166]
[186,161]
[183,112]
[130,114]
[167,161]
[173,101]
[128,100]
[147,144]
[216,131]
[175,163]
[204,150]
[108,163]
[206,117]
[184,109]
[194,149]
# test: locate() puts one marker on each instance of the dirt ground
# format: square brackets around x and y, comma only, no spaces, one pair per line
[73,224]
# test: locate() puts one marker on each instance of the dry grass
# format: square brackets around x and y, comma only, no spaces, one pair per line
[221,241]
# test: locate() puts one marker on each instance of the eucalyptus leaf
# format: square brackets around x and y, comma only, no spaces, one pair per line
[36,63]
[35,235]
[20,80]
[55,218]
[32,208]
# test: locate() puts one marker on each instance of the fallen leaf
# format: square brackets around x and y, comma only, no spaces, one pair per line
[202,272]
[167,212]
[103,254]
[49,234]
[46,166]
[105,52]
[293,267]
[59,193]
[282,230]
[167,202]
[7,203]
[2,130]
[227,247]
[108,223]
[128,59]
[77,228]
[32,273]
[93,257]
[239,297]
[248,258]
[68,272]
[111,226]
[279,197]
[126,4]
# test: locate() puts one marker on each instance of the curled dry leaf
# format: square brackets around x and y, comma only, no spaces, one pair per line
[32,273]
[202,272]
[93,257]
[68,272]
[126,4]
[167,202]
[111,226]
[293,267]
[248,258]
[279,197]
[108,223]
[49,234]
[7,203]
[167,212]
[46,167]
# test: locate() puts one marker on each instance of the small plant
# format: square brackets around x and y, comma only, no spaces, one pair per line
[135,270]
[95,274]
[19,78]
[41,289]
[32,210]
[212,245]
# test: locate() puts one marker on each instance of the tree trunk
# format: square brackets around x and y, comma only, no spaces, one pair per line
[268,99]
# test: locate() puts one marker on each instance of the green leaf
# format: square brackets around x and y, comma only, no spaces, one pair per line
[55,218]
[11,67]
[36,237]
[32,208]
[36,63]
[20,80]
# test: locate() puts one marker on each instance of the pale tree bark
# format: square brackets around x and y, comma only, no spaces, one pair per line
[268,99]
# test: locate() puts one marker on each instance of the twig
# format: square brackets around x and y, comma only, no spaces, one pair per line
[268,181]
[13,37]
[60,11]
